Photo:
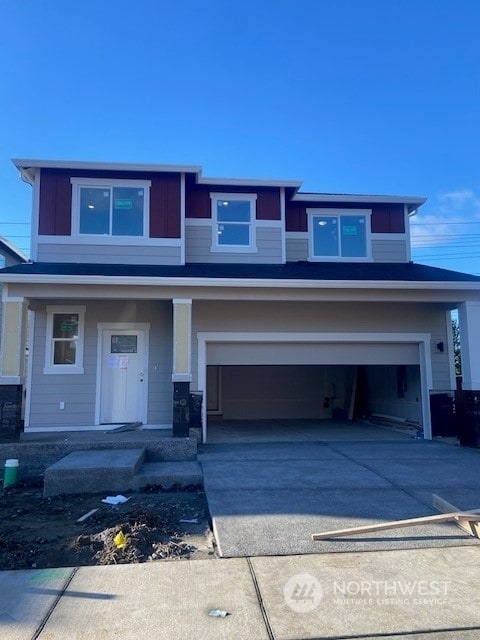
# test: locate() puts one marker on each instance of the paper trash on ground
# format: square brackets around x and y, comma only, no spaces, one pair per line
[115,499]
[218,613]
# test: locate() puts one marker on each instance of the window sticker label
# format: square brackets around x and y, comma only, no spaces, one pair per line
[123,203]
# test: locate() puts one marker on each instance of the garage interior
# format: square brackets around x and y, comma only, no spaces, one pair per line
[313,395]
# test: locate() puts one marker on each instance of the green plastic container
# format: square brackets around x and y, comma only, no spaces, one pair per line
[10,473]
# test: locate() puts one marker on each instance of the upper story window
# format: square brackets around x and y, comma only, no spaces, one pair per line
[110,207]
[233,221]
[339,234]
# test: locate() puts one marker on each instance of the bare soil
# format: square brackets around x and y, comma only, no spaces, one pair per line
[39,532]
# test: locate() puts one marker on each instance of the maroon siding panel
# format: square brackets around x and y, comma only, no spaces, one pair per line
[386,218]
[296,217]
[198,201]
[56,200]
[55,204]
[268,204]
[165,217]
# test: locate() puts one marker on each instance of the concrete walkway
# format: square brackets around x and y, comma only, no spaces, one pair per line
[267,499]
[426,594]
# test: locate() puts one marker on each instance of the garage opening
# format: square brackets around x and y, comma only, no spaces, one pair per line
[322,392]
[319,377]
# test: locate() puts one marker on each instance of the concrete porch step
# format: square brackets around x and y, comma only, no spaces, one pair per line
[116,470]
[168,475]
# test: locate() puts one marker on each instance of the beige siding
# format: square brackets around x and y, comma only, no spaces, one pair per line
[383,250]
[389,250]
[108,254]
[199,241]
[244,317]
[297,249]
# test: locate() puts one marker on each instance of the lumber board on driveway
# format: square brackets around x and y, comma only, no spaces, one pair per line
[470,527]
[399,524]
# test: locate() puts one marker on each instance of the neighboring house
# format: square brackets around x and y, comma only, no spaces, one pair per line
[148,282]
[9,256]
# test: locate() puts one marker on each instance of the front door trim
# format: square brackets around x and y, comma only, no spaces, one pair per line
[121,326]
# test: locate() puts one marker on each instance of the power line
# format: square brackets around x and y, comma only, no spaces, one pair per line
[441,223]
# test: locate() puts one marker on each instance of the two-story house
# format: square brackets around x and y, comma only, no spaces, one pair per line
[148,282]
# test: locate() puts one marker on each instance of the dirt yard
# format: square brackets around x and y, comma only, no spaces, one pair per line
[38,532]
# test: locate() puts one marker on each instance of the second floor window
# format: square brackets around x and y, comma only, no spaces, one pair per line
[339,235]
[111,208]
[233,221]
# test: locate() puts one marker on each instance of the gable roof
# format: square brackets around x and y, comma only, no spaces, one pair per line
[12,250]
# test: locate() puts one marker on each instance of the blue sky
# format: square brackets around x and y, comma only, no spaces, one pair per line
[350,96]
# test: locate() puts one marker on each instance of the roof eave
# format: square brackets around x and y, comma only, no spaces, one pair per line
[413,201]
[26,164]
[15,278]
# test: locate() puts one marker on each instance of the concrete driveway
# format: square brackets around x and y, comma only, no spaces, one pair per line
[268,498]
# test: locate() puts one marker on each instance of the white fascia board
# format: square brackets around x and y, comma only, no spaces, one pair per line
[256,283]
[340,197]
[24,164]
[241,182]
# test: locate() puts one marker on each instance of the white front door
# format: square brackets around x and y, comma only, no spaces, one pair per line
[123,393]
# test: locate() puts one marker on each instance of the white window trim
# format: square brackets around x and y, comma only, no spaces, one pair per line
[235,248]
[76,368]
[77,183]
[336,213]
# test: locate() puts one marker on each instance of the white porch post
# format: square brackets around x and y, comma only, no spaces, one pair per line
[14,329]
[469,318]
[182,365]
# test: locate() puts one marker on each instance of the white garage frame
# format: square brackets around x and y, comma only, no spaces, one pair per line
[423,340]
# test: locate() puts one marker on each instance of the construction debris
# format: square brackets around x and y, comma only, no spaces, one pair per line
[87,515]
[464,517]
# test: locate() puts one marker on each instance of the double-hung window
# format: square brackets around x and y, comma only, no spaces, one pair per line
[339,234]
[110,208]
[64,339]
[233,221]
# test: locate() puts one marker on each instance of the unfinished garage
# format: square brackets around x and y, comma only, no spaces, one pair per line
[320,379]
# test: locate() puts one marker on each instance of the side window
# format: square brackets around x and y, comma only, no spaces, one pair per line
[64,340]
[233,222]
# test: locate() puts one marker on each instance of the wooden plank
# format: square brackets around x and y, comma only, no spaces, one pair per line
[398,524]
[470,527]
[87,515]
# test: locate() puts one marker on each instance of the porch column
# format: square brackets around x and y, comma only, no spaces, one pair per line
[14,329]
[182,373]
[469,319]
